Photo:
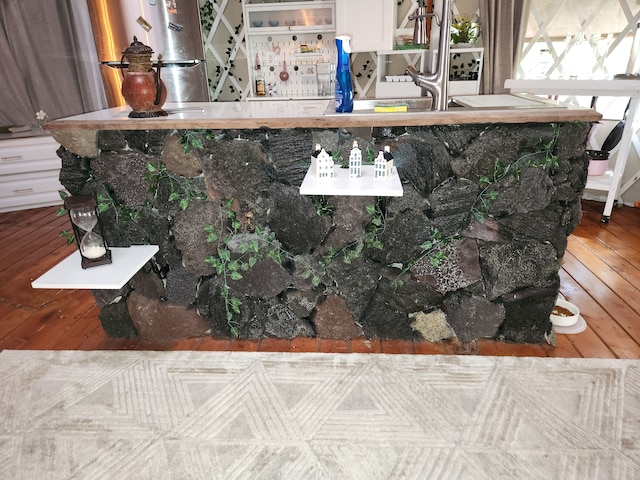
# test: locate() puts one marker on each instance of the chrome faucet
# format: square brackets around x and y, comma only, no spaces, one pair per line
[437,82]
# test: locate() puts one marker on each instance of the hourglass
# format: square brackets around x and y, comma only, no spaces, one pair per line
[84,218]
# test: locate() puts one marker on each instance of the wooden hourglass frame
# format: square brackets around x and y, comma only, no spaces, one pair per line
[83,213]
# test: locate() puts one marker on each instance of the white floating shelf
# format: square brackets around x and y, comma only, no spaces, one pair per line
[342,184]
[126,261]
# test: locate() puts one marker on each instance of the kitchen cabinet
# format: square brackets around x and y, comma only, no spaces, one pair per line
[29,172]
[370,23]
[288,40]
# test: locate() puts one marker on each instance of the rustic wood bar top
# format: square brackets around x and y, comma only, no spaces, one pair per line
[310,114]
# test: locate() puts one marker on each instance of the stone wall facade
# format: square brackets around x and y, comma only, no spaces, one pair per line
[472,249]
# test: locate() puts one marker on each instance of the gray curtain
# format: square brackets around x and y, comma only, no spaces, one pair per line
[503,28]
[42,65]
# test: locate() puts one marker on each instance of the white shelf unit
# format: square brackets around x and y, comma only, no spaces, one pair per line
[297,35]
[465,69]
[125,263]
[392,83]
[391,80]
[29,173]
[611,180]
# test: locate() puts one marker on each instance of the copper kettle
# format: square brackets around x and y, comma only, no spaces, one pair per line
[142,88]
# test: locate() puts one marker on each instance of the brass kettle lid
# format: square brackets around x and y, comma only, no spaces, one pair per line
[137,47]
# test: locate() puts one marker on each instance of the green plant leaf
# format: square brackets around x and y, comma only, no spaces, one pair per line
[184,204]
[236,276]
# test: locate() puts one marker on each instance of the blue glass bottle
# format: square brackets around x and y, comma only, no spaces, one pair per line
[344,83]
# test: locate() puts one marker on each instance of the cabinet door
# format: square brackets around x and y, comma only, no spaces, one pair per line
[370,23]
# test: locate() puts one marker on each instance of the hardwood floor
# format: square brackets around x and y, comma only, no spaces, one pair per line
[601,274]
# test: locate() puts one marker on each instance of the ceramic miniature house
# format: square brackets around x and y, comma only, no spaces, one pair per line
[322,163]
[355,161]
[383,164]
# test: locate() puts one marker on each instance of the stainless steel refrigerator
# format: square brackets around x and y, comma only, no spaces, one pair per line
[169,27]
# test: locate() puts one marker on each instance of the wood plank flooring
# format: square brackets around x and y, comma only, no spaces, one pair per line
[600,274]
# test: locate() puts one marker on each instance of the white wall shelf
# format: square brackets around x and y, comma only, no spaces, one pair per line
[342,184]
[126,261]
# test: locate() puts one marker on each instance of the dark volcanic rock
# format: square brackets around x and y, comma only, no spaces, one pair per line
[406,228]
[282,322]
[177,161]
[294,220]
[332,319]
[116,321]
[74,172]
[191,239]
[123,171]
[422,163]
[527,315]
[350,219]
[266,279]
[531,192]
[460,267]
[181,286]
[473,317]
[511,267]
[385,318]
[454,196]
[290,169]
[163,322]
[235,169]
[355,282]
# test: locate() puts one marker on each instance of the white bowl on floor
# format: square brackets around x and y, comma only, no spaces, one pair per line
[565,320]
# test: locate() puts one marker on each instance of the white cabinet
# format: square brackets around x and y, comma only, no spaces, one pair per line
[370,23]
[288,40]
[29,172]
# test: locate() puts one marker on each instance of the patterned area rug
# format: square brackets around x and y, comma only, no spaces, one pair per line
[222,415]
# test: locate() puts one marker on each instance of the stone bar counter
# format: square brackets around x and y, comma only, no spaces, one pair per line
[471,249]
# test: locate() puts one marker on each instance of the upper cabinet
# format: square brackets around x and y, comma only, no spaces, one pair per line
[370,23]
[279,17]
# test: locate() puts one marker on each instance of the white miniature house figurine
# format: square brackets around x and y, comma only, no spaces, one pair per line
[321,163]
[355,161]
[383,164]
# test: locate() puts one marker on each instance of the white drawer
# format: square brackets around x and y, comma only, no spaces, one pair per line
[11,186]
[22,202]
[28,154]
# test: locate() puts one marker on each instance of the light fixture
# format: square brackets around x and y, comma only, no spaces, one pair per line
[84,217]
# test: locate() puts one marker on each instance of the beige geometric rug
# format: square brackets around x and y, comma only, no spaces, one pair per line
[226,415]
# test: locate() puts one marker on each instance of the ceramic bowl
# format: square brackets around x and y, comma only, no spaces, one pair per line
[565,320]
[256,23]
[274,23]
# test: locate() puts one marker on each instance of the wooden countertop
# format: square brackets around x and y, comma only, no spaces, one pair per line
[307,114]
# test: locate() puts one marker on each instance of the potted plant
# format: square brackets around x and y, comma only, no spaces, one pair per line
[465,30]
